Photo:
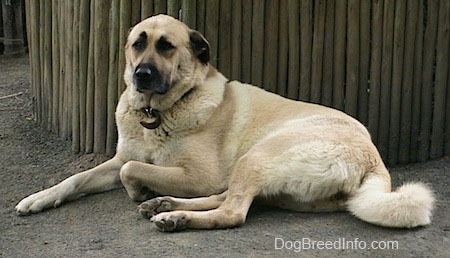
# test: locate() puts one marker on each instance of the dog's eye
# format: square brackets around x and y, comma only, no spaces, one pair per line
[163,45]
[141,42]
[139,45]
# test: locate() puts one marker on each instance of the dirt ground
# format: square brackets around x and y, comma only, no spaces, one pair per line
[107,224]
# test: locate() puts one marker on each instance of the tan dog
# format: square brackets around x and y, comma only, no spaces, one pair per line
[186,131]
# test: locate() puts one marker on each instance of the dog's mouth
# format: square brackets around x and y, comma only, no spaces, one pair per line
[148,80]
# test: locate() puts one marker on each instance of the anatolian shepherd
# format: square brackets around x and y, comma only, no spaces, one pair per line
[187,131]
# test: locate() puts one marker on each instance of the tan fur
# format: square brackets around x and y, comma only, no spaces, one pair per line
[234,142]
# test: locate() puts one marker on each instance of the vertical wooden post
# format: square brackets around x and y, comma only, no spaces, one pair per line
[55,66]
[76,77]
[295,73]
[224,38]
[90,85]
[160,6]
[407,83]
[101,66]
[47,68]
[124,26]
[417,87]
[28,26]
[84,33]
[305,58]
[352,62]
[135,12]
[173,8]
[375,69]
[327,76]
[386,77]
[68,55]
[270,46]
[236,39]
[31,10]
[13,28]
[396,88]
[35,62]
[189,14]
[339,55]
[111,135]
[43,87]
[146,8]
[447,121]
[211,31]
[364,61]
[258,43]
[61,83]
[427,79]
[200,16]
[317,51]
[283,49]
[441,87]
[246,68]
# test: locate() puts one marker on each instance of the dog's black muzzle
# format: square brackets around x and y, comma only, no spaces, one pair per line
[148,80]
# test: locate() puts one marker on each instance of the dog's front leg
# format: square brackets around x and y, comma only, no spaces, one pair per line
[139,178]
[101,178]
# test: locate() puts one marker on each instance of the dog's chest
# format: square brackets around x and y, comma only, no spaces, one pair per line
[157,146]
[162,149]
[146,145]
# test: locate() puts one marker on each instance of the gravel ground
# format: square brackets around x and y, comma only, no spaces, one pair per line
[107,224]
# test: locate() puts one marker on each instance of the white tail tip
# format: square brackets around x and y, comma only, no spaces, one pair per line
[409,206]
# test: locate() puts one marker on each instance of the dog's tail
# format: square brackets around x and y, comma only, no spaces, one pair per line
[409,206]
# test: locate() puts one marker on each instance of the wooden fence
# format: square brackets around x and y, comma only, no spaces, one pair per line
[384,62]
[12,40]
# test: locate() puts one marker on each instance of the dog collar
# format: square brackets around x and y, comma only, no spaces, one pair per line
[151,113]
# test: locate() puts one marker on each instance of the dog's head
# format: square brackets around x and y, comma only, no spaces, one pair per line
[164,57]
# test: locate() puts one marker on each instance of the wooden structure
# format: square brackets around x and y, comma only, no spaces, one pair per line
[384,62]
[11,28]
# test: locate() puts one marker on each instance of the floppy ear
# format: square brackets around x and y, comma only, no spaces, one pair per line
[200,46]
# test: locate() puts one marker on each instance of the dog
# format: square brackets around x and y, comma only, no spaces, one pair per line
[208,146]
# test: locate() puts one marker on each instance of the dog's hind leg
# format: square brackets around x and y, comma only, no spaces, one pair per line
[167,203]
[334,203]
[243,187]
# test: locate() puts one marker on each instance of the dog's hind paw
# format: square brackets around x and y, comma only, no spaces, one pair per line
[154,206]
[170,221]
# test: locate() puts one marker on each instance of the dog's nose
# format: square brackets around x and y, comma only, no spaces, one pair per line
[143,73]
[147,79]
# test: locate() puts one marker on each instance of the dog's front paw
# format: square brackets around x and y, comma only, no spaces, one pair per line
[154,206]
[170,221]
[39,201]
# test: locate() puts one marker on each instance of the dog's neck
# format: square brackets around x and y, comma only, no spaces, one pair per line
[155,114]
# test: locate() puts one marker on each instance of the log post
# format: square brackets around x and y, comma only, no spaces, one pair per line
[13,39]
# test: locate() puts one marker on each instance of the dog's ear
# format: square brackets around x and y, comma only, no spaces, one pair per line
[200,46]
